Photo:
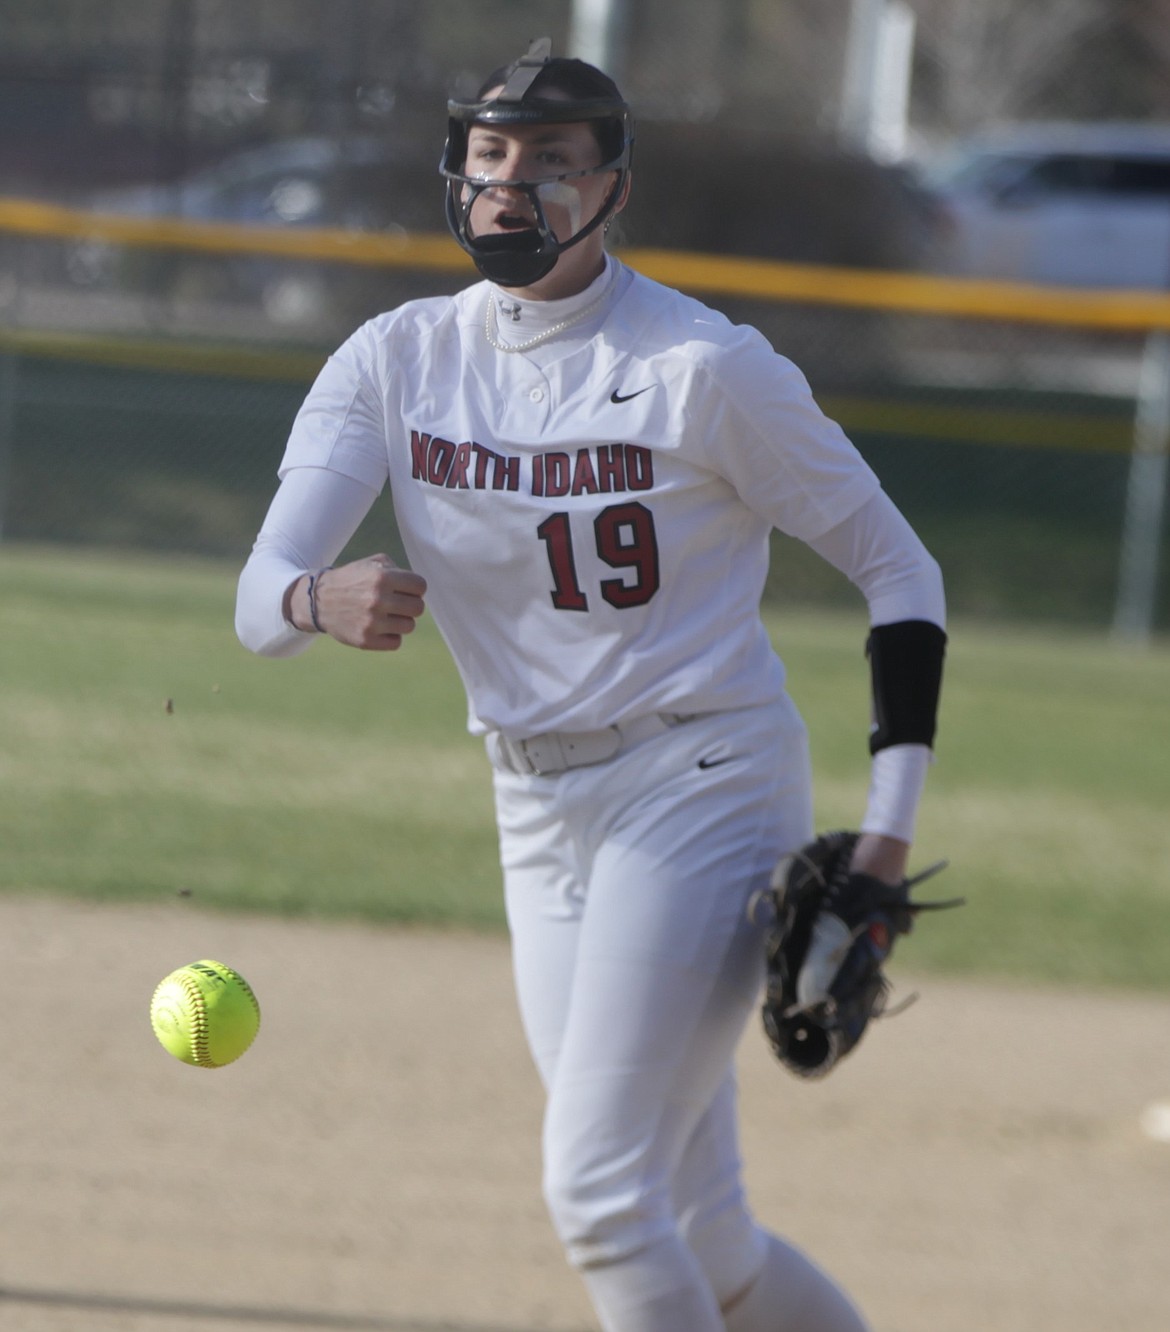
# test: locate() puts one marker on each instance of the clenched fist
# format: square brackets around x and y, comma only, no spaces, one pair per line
[370,603]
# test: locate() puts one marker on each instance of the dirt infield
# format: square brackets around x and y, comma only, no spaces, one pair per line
[977,1166]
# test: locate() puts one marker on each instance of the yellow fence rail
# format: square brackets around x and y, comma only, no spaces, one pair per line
[761,279]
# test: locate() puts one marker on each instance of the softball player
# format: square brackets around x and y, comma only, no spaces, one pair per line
[585,468]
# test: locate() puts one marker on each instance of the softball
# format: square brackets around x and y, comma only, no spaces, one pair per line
[205,1014]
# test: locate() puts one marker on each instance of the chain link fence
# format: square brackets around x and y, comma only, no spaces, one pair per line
[146,390]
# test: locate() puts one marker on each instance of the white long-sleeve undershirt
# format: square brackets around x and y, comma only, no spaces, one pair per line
[879,552]
[313,515]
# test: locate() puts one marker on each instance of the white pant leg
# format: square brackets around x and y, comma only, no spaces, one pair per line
[710,1202]
[763,1283]
[636,968]
[792,1294]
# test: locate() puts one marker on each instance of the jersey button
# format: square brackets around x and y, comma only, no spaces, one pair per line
[536,394]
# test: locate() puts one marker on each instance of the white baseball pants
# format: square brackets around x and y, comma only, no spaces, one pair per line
[627,885]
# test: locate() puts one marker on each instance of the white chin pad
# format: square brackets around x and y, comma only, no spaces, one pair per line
[557,192]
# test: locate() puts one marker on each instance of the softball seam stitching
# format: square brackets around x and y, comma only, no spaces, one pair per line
[200,1043]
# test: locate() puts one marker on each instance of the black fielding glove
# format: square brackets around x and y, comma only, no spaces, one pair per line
[830,935]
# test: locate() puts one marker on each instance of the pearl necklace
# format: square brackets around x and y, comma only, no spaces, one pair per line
[489,323]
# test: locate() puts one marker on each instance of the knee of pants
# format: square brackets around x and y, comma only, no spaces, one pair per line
[602,1217]
[728,1244]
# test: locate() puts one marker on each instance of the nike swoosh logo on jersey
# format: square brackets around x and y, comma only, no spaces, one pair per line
[706,763]
[615,396]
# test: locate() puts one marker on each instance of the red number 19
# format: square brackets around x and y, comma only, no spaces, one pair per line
[625,538]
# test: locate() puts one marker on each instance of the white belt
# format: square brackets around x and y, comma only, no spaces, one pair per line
[555,751]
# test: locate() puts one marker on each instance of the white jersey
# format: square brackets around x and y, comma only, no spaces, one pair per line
[592,517]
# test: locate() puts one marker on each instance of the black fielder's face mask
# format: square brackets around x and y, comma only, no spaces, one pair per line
[521,257]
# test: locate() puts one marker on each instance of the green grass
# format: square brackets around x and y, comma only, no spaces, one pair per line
[344,784]
[338,782]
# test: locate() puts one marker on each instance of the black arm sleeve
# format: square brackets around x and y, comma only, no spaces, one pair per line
[906,663]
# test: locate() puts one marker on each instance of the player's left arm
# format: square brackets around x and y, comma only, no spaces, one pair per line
[879,551]
[842,900]
[884,857]
[796,467]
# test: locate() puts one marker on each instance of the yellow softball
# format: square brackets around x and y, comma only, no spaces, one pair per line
[205,1014]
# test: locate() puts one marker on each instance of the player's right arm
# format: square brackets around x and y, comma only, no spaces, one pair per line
[368,603]
[334,468]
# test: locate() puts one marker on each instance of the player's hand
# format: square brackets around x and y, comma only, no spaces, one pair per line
[370,603]
[884,858]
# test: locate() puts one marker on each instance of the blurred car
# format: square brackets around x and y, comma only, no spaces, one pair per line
[1082,205]
[361,184]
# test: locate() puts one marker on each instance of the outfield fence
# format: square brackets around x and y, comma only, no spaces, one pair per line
[150,368]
